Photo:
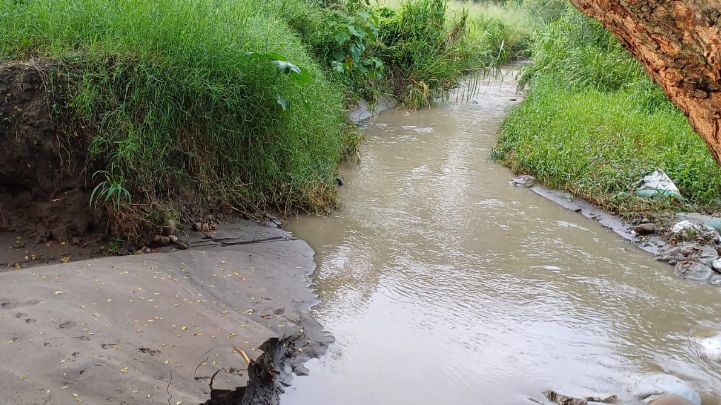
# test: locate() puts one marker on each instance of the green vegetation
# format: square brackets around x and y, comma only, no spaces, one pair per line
[187,95]
[594,124]
[234,103]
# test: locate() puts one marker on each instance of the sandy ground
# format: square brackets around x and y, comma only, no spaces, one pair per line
[151,328]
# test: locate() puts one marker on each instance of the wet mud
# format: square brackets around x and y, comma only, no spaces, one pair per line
[156,329]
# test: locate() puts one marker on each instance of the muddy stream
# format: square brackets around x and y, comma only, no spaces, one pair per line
[443,284]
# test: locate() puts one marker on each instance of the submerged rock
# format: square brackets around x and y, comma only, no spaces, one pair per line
[660,389]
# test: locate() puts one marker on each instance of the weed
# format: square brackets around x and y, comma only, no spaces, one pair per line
[111,189]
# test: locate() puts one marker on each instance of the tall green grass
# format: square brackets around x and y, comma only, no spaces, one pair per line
[594,124]
[185,95]
[429,45]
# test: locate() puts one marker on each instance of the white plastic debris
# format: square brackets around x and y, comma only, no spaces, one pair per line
[523,180]
[710,347]
[656,185]
[683,227]
[653,386]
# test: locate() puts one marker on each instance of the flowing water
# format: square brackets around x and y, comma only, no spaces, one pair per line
[442,284]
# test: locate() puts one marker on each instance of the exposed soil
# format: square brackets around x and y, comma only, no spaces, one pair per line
[44,187]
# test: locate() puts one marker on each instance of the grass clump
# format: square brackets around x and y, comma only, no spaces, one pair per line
[219,98]
[429,49]
[594,124]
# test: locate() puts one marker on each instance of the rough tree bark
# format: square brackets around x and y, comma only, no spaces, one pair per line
[679,44]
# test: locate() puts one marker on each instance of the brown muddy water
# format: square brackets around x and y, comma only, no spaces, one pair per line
[442,284]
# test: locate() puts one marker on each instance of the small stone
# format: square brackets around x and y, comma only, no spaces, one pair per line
[156,238]
[180,245]
[147,250]
[173,239]
[164,240]
[644,229]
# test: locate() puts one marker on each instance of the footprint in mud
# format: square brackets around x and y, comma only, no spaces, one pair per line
[21,315]
[66,325]
[149,351]
[12,304]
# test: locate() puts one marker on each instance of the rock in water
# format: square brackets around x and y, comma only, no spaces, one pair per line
[644,229]
[657,386]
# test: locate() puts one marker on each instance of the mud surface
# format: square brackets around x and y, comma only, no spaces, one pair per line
[156,328]
[43,189]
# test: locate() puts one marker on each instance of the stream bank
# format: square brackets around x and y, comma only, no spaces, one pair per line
[157,328]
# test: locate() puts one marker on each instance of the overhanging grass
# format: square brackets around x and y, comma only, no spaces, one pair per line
[183,94]
[594,124]
[598,144]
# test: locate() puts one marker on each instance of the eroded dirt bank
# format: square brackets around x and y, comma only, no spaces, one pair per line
[44,187]
[156,328]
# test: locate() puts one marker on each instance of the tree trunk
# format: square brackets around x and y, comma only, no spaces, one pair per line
[679,44]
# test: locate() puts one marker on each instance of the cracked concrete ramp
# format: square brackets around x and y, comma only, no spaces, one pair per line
[149,329]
